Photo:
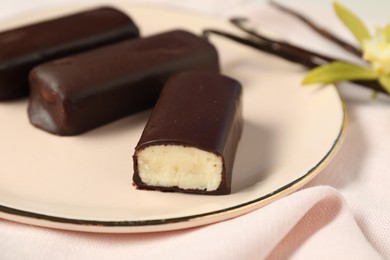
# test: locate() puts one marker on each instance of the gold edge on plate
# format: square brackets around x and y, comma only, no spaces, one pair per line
[158,225]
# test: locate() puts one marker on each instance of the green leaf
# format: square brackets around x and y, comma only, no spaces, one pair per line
[338,71]
[352,22]
[385,83]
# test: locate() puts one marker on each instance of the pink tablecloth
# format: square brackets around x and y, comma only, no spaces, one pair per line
[344,213]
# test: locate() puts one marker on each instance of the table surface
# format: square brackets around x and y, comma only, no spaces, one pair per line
[344,213]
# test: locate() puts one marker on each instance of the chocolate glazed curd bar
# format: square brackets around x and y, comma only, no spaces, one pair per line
[191,137]
[24,47]
[75,94]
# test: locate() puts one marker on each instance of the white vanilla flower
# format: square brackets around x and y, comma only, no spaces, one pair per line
[376,50]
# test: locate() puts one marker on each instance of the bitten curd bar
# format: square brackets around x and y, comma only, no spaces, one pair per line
[190,140]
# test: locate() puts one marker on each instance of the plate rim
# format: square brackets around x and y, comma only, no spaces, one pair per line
[201,219]
[246,207]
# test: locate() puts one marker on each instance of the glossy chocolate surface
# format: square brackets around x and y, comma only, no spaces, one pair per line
[75,94]
[25,47]
[201,110]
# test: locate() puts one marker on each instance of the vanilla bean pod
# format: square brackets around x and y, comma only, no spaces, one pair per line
[280,49]
[288,52]
[317,58]
[371,84]
[323,32]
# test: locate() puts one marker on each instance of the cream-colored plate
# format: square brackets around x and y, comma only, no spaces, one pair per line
[85,182]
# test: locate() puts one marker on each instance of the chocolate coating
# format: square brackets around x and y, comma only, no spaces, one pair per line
[25,47]
[201,110]
[75,94]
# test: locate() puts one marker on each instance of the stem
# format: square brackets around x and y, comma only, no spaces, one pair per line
[323,32]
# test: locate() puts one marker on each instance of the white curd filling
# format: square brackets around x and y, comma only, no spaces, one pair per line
[180,166]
